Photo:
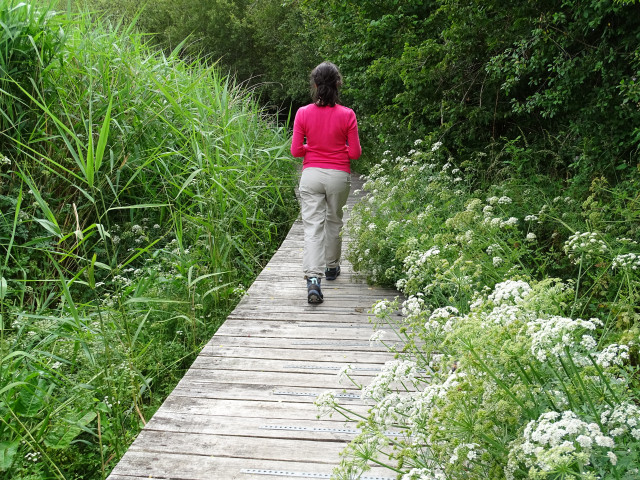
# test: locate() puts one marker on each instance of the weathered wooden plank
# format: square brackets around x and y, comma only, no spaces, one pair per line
[245,408]
[355,320]
[293,329]
[345,356]
[294,286]
[301,344]
[312,450]
[296,312]
[263,392]
[305,429]
[363,319]
[213,467]
[313,379]
[278,366]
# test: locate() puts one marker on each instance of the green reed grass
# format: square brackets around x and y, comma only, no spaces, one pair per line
[140,198]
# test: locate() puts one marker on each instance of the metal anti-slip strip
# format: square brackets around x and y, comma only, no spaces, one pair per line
[284,473]
[312,394]
[329,325]
[347,431]
[310,429]
[333,344]
[318,367]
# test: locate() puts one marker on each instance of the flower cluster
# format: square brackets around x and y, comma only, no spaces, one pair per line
[613,354]
[622,419]
[552,336]
[326,402]
[587,244]
[509,292]
[393,372]
[425,474]
[558,441]
[627,261]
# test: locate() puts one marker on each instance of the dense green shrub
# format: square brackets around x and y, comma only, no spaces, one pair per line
[517,347]
[562,76]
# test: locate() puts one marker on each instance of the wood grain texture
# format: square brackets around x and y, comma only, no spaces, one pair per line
[245,410]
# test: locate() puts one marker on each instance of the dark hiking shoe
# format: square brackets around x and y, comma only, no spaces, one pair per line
[314,294]
[332,273]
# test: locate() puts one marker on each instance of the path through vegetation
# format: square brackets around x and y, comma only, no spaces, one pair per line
[245,408]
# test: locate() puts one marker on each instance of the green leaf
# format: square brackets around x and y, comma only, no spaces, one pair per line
[104,135]
[49,226]
[31,399]
[63,434]
[3,288]
[50,223]
[90,272]
[8,452]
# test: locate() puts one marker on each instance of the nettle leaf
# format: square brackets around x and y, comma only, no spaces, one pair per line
[63,434]
[8,452]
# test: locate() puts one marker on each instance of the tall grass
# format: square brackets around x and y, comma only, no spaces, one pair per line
[142,198]
[29,41]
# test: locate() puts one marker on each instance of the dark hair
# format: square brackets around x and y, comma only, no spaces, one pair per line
[325,82]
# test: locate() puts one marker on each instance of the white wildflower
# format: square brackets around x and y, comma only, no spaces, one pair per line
[629,261]
[392,372]
[376,338]
[613,354]
[381,307]
[623,419]
[510,292]
[587,244]
[345,373]
[511,221]
[326,402]
[412,306]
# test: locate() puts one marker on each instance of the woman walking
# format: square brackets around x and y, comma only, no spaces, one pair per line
[331,134]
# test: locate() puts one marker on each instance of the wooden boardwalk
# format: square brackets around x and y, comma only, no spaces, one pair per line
[245,410]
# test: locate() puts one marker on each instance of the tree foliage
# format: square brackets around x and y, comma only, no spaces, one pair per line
[545,87]
[560,76]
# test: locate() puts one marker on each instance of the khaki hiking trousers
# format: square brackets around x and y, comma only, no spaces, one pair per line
[323,193]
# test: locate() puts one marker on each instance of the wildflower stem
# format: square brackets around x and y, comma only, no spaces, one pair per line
[500,383]
[606,382]
[564,385]
[526,380]
[385,465]
[586,395]
[340,409]
[575,299]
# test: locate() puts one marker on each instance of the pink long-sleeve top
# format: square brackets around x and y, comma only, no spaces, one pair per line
[331,134]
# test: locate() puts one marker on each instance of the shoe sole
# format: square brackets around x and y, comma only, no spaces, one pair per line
[314,298]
